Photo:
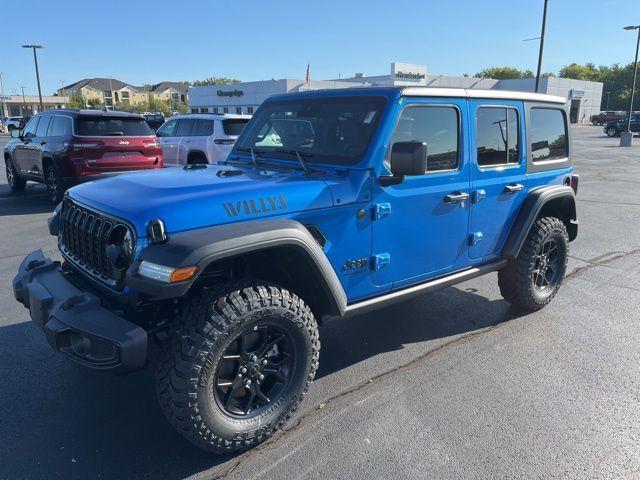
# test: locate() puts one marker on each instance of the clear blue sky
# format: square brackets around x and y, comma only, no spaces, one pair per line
[141,41]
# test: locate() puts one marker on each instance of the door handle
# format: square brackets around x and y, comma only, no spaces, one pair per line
[513,188]
[456,197]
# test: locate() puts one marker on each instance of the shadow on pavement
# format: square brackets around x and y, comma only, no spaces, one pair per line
[32,200]
[60,420]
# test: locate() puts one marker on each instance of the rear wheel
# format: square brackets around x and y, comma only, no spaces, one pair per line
[238,367]
[14,181]
[52,179]
[532,279]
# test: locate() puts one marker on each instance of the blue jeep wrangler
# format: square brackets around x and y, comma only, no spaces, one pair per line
[332,203]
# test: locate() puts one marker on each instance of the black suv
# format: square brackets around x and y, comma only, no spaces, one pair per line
[154,120]
[615,127]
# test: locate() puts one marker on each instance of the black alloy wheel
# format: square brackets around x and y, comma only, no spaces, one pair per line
[546,271]
[254,371]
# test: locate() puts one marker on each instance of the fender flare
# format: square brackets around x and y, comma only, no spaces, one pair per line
[207,245]
[529,211]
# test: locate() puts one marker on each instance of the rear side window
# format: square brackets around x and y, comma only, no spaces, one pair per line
[41,131]
[234,126]
[60,127]
[103,127]
[203,128]
[497,136]
[184,127]
[548,131]
[437,126]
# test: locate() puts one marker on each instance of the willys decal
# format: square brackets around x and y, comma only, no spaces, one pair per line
[254,206]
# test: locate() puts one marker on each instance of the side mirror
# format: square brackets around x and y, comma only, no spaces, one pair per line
[15,133]
[407,158]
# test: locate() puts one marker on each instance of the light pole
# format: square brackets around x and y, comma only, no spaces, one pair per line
[544,23]
[626,138]
[35,60]
[24,102]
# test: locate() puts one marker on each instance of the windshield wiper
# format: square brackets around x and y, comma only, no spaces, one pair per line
[300,155]
[254,153]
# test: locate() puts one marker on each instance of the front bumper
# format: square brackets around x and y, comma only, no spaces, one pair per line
[74,322]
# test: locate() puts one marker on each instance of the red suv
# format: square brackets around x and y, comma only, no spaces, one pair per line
[61,148]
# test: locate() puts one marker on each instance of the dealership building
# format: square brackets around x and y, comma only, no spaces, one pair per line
[245,97]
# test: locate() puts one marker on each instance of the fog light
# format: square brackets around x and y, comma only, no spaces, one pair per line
[165,274]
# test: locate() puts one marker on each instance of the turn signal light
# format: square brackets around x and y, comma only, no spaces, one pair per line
[574,183]
[182,274]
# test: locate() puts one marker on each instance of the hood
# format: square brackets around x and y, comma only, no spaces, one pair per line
[185,199]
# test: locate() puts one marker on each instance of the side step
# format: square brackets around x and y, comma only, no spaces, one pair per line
[415,290]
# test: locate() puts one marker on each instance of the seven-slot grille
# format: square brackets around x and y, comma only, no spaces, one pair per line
[84,235]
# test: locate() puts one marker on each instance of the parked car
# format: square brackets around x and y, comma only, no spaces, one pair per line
[604,117]
[616,127]
[61,148]
[332,203]
[154,120]
[199,138]
[12,122]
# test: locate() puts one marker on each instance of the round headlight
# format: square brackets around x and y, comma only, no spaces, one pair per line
[120,246]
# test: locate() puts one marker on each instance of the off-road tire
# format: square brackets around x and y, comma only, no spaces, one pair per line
[516,279]
[53,181]
[15,182]
[209,323]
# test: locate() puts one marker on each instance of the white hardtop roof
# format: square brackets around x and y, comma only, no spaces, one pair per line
[477,93]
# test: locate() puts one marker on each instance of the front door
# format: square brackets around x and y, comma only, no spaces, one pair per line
[497,173]
[420,226]
[22,154]
[169,142]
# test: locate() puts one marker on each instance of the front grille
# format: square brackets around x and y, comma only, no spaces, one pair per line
[84,236]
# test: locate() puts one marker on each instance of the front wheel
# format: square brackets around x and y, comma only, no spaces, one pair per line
[238,367]
[611,132]
[15,182]
[532,279]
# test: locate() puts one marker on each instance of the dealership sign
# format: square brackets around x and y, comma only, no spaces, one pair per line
[408,72]
[232,93]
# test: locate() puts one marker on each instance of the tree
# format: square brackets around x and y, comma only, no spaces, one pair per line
[95,103]
[213,81]
[76,101]
[587,71]
[504,73]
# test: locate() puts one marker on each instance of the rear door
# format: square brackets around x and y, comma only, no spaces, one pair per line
[183,137]
[38,145]
[198,140]
[498,171]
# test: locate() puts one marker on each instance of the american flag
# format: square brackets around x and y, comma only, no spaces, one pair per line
[307,78]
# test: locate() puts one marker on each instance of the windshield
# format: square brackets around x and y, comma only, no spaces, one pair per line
[325,130]
[101,126]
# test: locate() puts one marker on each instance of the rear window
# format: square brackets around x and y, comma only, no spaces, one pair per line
[548,132]
[101,127]
[234,126]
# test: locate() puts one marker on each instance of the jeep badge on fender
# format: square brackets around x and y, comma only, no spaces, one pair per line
[331,203]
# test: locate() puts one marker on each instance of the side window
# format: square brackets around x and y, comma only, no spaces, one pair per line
[168,129]
[437,126]
[203,128]
[184,127]
[43,125]
[30,128]
[548,131]
[60,127]
[497,136]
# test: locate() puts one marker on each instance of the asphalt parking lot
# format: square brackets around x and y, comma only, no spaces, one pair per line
[455,384]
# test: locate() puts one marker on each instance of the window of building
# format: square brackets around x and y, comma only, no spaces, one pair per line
[184,127]
[175,97]
[125,97]
[60,127]
[194,110]
[225,110]
[203,128]
[250,109]
[548,132]
[215,109]
[497,136]
[41,131]
[438,127]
